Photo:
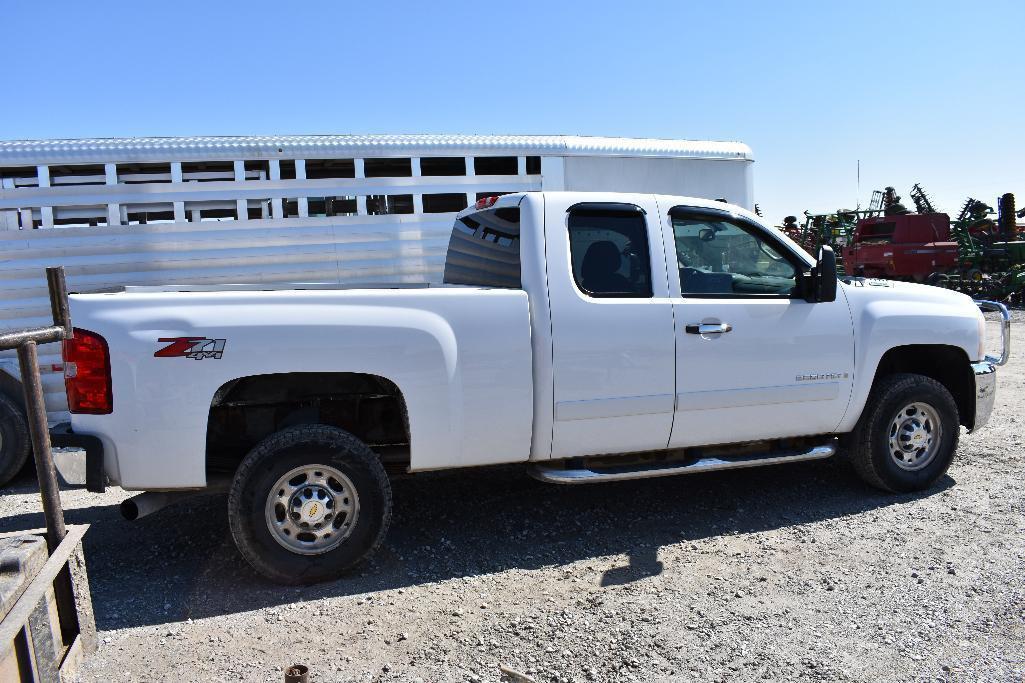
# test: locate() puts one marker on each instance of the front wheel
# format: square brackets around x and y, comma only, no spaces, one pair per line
[309,503]
[907,435]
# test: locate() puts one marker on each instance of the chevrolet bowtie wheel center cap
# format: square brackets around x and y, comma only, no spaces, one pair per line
[914,436]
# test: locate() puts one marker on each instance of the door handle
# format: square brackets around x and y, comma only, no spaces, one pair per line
[704,328]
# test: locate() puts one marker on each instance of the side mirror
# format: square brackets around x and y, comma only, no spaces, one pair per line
[820,283]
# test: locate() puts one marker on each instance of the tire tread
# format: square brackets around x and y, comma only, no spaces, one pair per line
[309,433]
[16,443]
[861,451]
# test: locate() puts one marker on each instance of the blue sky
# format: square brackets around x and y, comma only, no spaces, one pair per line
[930,92]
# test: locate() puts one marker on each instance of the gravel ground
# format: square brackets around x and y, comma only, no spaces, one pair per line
[797,572]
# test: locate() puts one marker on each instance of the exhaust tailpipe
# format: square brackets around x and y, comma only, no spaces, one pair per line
[149,502]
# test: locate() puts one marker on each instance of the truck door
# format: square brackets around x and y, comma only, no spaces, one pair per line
[612,327]
[753,361]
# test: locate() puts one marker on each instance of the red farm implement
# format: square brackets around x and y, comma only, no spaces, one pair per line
[975,253]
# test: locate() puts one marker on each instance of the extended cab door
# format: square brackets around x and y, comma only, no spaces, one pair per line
[753,360]
[612,326]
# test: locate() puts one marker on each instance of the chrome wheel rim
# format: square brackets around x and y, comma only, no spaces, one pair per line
[914,436]
[312,509]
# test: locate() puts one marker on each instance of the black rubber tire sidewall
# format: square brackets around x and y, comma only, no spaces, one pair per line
[890,395]
[16,445]
[295,447]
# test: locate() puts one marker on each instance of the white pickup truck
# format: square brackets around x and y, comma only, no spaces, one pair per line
[593,336]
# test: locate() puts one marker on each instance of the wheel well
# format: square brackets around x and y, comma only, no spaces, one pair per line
[948,365]
[244,411]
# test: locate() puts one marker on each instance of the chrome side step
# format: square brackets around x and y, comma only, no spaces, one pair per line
[583,475]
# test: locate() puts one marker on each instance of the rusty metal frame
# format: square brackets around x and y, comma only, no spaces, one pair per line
[58,574]
[26,626]
[26,341]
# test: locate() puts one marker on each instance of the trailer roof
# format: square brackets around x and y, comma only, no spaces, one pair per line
[114,150]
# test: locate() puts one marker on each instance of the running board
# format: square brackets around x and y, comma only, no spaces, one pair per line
[583,475]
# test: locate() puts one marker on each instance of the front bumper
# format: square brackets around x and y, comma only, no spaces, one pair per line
[985,392]
[985,371]
[82,466]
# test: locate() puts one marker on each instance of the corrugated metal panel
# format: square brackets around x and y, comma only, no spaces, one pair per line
[112,150]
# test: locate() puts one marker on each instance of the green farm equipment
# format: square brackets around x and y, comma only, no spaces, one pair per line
[991,253]
[990,261]
[836,229]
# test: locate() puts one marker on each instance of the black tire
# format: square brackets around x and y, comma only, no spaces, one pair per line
[277,455]
[869,445]
[15,444]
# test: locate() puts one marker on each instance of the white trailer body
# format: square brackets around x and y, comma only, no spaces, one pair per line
[360,209]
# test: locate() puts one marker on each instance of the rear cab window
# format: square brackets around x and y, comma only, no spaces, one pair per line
[484,249]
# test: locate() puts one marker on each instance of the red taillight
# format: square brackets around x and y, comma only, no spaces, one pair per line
[87,374]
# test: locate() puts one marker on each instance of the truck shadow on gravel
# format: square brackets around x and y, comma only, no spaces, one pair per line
[181,563]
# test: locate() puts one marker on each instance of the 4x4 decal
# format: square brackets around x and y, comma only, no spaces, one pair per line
[196,348]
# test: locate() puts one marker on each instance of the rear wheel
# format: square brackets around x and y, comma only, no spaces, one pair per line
[15,444]
[309,503]
[907,435]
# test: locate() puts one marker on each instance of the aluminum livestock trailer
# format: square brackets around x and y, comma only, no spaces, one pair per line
[342,209]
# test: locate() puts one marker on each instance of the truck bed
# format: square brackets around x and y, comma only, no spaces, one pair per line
[461,357]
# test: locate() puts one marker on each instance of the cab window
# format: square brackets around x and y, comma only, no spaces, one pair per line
[609,250]
[718,256]
[484,249]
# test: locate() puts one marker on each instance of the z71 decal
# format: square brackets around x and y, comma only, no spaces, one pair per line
[196,348]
